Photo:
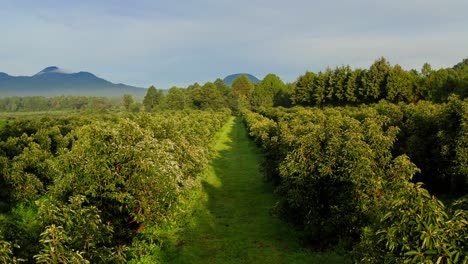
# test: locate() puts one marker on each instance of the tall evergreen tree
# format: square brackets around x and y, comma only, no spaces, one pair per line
[320,84]
[377,79]
[303,89]
[330,85]
[351,91]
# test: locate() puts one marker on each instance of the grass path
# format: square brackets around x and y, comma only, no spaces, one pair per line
[232,222]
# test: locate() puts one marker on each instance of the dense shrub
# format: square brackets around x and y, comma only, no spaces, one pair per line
[90,185]
[340,179]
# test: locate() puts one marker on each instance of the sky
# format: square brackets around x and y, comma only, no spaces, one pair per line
[177,43]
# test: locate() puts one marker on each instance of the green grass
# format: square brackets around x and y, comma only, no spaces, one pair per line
[232,220]
[2,123]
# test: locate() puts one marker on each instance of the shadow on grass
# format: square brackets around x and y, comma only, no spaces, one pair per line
[232,222]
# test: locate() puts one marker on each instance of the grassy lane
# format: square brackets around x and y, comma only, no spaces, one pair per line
[232,222]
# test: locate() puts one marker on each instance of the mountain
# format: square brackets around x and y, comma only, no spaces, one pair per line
[230,79]
[54,81]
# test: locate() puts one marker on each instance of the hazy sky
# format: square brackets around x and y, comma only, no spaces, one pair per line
[165,43]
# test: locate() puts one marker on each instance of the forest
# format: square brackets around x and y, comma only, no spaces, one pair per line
[370,161]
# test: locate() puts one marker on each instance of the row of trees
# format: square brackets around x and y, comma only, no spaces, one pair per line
[343,174]
[58,103]
[98,189]
[340,86]
[271,91]
[344,85]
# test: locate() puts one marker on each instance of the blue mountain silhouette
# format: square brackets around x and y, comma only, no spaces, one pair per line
[54,81]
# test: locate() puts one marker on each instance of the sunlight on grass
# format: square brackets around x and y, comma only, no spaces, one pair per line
[232,220]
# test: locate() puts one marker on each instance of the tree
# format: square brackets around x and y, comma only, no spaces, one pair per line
[241,92]
[426,70]
[341,76]
[127,101]
[441,84]
[242,87]
[377,79]
[304,90]
[208,97]
[222,87]
[266,91]
[176,99]
[351,89]
[329,85]
[152,98]
[318,90]
[399,85]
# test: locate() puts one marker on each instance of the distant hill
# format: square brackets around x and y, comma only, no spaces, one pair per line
[230,79]
[53,81]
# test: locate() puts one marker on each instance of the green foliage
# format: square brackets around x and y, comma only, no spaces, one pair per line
[208,97]
[415,228]
[242,87]
[267,91]
[343,85]
[152,99]
[6,253]
[127,101]
[98,181]
[241,92]
[304,89]
[399,86]
[328,164]
[377,79]
[338,177]
[176,99]
[75,233]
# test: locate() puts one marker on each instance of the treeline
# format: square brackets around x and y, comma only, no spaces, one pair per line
[346,176]
[58,103]
[344,85]
[101,188]
[336,87]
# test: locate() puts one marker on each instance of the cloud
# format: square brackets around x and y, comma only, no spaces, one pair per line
[177,43]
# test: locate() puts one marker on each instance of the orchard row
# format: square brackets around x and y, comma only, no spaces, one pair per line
[82,189]
[346,176]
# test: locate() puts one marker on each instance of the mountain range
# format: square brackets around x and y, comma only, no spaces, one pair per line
[230,78]
[54,81]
